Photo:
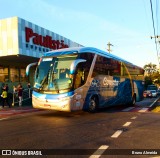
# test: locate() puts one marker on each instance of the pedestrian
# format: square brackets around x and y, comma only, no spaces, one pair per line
[29,85]
[14,89]
[5,97]
[29,89]
[15,93]
[20,93]
[2,87]
[7,88]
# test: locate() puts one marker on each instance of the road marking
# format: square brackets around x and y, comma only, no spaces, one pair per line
[127,124]
[143,110]
[134,117]
[116,134]
[99,151]
[153,102]
[127,109]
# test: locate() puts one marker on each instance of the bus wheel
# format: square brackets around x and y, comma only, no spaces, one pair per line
[93,104]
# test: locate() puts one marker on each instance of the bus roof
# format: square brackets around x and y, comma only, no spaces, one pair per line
[74,50]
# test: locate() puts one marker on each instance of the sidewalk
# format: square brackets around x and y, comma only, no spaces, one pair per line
[6,108]
[16,110]
[148,102]
[25,106]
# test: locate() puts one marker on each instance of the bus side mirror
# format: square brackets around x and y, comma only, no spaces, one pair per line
[74,64]
[29,66]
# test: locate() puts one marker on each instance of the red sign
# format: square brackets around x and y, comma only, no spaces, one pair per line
[45,41]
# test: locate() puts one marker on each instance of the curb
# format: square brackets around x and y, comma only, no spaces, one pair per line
[152,106]
[16,108]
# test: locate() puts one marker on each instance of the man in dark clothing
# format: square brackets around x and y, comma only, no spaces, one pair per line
[7,87]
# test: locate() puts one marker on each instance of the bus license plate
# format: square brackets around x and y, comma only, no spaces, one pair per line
[47,105]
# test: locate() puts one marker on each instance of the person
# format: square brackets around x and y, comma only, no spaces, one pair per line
[15,93]
[5,97]
[29,89]
[2,87]
[14,89]
[29,85]
[70,79]
[20,93]
[7,88]
[64,73]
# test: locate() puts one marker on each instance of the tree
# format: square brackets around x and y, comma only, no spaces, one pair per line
[150,69]
[152,75]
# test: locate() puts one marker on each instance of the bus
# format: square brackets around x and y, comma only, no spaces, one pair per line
[84,78]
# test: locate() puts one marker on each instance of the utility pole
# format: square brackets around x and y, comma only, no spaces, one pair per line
[158,54]
[109,47]
[155,37]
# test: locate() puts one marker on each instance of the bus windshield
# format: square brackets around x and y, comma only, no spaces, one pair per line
[53,74]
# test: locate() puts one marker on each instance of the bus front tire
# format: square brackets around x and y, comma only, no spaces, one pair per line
[93,104]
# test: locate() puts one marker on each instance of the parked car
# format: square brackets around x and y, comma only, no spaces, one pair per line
[154,93]
[147,94]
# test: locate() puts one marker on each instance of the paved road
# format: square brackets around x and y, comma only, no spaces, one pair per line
[105,130]
[145,105]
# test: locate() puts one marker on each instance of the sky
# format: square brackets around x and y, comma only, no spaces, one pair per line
[126,24]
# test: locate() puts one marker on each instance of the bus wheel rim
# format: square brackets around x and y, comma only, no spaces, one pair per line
[92,105]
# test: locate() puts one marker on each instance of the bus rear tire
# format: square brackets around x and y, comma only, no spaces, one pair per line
[93,104]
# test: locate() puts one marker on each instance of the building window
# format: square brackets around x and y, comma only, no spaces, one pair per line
[14,74]
[4,77]
[23,75]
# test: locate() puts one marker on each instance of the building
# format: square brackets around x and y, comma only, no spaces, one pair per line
[21,43]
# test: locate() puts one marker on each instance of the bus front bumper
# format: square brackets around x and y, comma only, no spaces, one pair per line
[61,104]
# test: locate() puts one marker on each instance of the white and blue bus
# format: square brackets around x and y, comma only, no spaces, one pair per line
[85,78]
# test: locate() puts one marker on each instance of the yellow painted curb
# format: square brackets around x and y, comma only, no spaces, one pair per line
[157,109]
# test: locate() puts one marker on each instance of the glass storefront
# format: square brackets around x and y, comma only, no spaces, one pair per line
[13,74]
[19,47]
[4,76]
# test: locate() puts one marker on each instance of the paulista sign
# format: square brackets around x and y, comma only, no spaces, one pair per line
[45,41]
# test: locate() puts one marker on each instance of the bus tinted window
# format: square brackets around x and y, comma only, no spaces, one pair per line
[82,69]
[106,66]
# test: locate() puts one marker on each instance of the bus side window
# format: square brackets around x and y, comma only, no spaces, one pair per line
[78,78]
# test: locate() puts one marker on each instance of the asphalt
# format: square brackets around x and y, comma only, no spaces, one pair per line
[150,103]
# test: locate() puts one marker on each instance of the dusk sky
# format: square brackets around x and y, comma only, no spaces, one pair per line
[126,24]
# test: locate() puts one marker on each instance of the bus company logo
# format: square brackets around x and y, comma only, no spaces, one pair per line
[6,152]
[111,83]
[105,82]
[45,41]
[95,83]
